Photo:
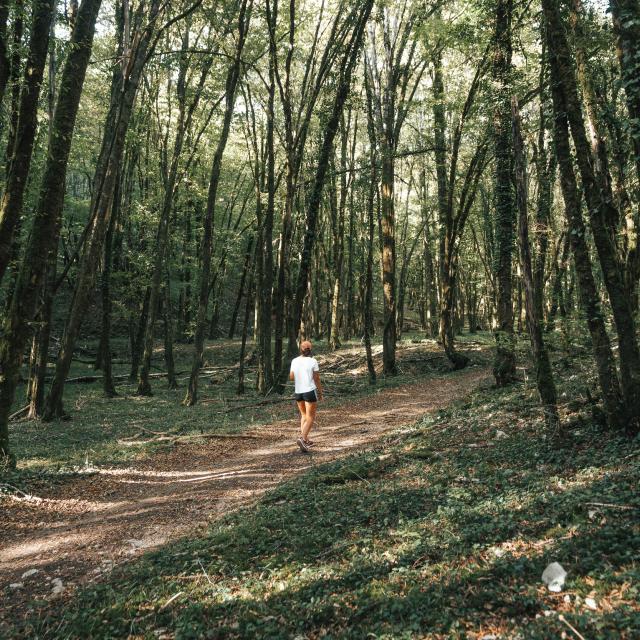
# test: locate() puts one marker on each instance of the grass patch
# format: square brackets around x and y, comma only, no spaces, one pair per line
[102,431]
[443,533]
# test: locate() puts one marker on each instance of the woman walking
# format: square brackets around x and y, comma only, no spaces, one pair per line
[308,391]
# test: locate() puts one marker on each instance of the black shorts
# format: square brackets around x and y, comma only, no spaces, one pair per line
[309,396]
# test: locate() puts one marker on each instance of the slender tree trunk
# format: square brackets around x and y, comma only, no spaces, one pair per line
[559,271]
[5,65]
[447,238]
[169,360]
[605,364]
[43,337]
[20,162]
[504,368]
[185,278]
[338,210]
[42,245]
[105,343]
[601,211]
[245,328]
[214,326]
[123,91]
[350,321]
[545,174]
[137,344]
[387,202]
[346,66]
[265,379]
[233,75]
[15,71]
[367,316]
[367,298]
[544,374]
[626,28]
[243,280]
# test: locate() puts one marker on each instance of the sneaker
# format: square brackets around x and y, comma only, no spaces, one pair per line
[309,443]
[304,447]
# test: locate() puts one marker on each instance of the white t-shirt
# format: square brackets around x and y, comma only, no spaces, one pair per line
[302,368]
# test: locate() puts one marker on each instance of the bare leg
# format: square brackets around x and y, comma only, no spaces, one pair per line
[303,416]
[311,415]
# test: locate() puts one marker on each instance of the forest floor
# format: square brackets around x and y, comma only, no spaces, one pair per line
[73,525]
[429,509]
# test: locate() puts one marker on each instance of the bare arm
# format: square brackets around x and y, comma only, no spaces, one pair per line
[291,376]
[316,379]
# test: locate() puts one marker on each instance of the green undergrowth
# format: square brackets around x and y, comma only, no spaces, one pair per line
[441,532]
[118,431]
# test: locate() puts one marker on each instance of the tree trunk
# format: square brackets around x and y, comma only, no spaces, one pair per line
[42,246]
[243,280]
[387,203]
[504,368]
[123,91]
[169,360]
[43,337]
[605,364]
[5,65]
[367,297]
[338,206]
[558,274]
[105,342]
[544,374]
[245,328]
[185,279]
[601,211]
[626,28]
[137,343]
[545,174]
[233,75]
[20,158]
[450,228]
[346,67]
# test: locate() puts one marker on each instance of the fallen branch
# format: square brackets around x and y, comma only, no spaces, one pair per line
[19,413]
[612,506]
[241,436]
[564,620]
[27,496]
[195,436]
[170,600]
[88,379]
[206,575]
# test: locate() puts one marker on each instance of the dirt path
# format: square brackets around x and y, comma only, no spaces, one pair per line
[77,531]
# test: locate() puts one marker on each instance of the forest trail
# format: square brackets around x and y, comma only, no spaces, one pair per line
[79,530]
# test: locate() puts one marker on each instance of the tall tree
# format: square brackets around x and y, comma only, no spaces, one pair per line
[626,27]
[5,64]
[231,83]
[357,20]
[456,196]
[601,210]
[170,178]
[394,78]
[124,87]
[603,354]
[298,109]
[544,373]
[504,367]
[25,131]
[42,245]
